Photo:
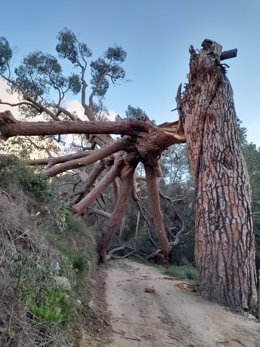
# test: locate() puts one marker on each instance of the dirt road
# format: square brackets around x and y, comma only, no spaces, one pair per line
[149,309]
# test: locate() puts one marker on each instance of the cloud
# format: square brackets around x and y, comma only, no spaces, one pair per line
[74,106]
[10,98]
[112,115]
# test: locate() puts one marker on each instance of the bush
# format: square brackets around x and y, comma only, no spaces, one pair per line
[73,224]
[53,308]
[38,288]
[144,242]
[81,261]
[37,231]
[13,170]
[183,272]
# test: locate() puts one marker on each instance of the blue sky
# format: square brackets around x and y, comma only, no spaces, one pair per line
[156,35]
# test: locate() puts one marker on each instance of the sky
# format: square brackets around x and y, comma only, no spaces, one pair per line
[156,35]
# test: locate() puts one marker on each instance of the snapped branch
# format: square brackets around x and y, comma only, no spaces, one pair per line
[9,127]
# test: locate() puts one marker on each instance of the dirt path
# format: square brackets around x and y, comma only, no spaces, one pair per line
[149,309]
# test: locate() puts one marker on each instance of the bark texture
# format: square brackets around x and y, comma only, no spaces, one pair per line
[225,244]
[154,201]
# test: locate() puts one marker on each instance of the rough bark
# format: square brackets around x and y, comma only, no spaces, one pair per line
[224,240]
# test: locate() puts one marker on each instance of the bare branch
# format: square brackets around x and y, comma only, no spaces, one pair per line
[81,206]
[90,181]
[100,213]
[66,112]
[127,127]
[61,159]
[98,154]
[39,147]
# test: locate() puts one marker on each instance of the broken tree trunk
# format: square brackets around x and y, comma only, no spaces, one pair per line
[224,240]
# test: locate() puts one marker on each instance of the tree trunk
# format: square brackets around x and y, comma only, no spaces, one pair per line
[224,240]
[154,202]
[118,213]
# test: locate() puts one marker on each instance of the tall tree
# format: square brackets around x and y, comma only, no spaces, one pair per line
[224,237]
[225,243]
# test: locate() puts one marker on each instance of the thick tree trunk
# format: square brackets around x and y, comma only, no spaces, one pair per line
[225,244]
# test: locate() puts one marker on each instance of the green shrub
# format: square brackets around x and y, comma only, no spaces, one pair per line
[73,224]
[183,272]
[53,308]
[81,261]
[144,242]
[14,170]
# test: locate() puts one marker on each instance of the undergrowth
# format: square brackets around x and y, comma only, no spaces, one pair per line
[183,272]
[41,244]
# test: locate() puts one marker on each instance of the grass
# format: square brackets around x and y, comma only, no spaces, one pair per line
[183,272]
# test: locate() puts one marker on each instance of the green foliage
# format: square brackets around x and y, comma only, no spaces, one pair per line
[73,224]
[5,54]
[54,307]
[41,85]
[183,272]
[175,166]
[13,170]
[135,113]
[25,149]
[116,53]
[102,69]
[81,261]
[144,242]
[74,83]
[36,286]
[70,48]
[107,68]
[72,238]
[242,132]
[43,233]
[39,72]
[252,157]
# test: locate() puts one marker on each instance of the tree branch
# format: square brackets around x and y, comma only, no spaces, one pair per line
[90,181]
[98,189]
[61,159]
[154,200]
[100,213]
[124,144]
[127,127]
[39,147]
[117,214]
[149,226]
